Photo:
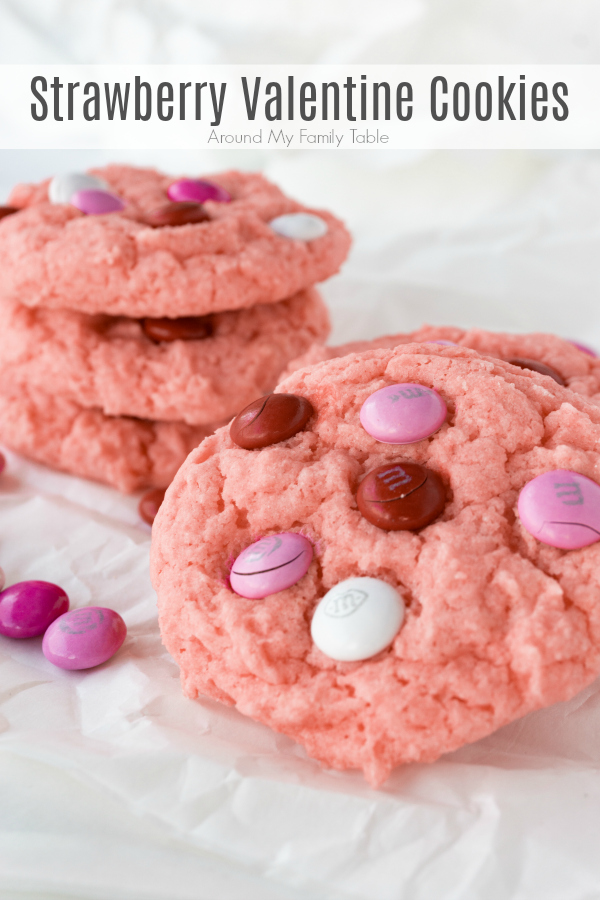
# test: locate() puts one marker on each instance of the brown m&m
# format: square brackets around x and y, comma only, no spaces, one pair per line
[536,366]
[269,420]
[401,496]
[173,214]
[7,211]
[188,328]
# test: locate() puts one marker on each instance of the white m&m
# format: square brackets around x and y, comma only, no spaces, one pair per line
[357,619]
[62,187]
[299,226]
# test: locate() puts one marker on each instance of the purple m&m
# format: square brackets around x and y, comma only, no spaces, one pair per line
[403,413]
[96,203]
[272,564]
[28,607]
[198,191]
[84,637]
[561,508]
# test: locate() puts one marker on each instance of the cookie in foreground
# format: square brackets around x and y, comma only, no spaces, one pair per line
[392,644]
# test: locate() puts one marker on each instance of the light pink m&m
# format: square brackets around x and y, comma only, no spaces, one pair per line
[561,508]
[96,203]
[84,637]
[403,413]
[272,564]
[198,191]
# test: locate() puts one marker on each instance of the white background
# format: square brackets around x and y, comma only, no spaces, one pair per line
[112,785]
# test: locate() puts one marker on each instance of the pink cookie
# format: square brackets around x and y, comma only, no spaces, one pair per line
[496,622]
[126,453]
[110,363]
[578,369]
[55,256]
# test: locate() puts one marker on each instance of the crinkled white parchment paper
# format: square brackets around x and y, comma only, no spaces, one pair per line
[112,785]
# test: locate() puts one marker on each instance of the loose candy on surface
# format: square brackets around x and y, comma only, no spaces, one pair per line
[401,496]
[188,328]
[561,508]
[357,619]
[28,607]
[197,191]
[2,463]
[270,420]
[535,366]
[150,503]
[175,214]
[7,211]
[96,202]
[84,638]
[62,187]
[272,564]
[403,413]
[233,262]
[299,226]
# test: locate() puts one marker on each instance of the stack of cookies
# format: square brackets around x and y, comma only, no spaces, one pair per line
[138,312]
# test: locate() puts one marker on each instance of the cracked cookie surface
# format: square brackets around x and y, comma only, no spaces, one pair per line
[54,256]
[126,453]
[497,624]
[109,363]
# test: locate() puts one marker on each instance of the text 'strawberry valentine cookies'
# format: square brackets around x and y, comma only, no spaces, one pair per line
[390,645]
[125,241]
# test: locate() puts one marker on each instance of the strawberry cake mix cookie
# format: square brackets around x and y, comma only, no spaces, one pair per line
[567,362]
[158,368]
[135,242]
[126,453]
[393,555]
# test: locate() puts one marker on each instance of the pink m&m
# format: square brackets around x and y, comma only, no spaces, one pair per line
[584,348]
[28,607]
[84,637]
[272,564]
[561,508]
[198,191]
[96,203]
[403,413]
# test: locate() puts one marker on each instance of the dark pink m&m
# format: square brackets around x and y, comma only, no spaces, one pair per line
[84,637]
[29,607]
[197,191]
